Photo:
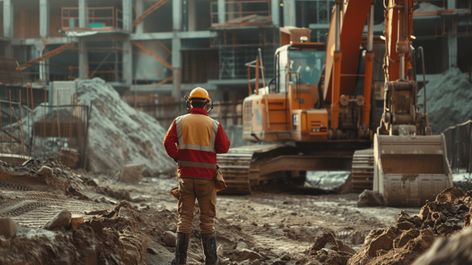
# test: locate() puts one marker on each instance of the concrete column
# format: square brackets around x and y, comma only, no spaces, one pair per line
[192,15]
[8,19]
[176,67]
[275,12]
[83,14]
[139,6]
[289,13]
[176,45]
[452,37]
[43,18]
[8,25]
[127,62]
[127,12]
[177,15]
[37,51]
[83,60]
[221,11]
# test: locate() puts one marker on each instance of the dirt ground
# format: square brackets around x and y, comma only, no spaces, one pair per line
[278,226]
[52,215]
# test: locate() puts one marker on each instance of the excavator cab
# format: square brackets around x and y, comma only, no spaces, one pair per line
[285,109]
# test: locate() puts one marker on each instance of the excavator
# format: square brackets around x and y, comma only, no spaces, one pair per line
[318,112]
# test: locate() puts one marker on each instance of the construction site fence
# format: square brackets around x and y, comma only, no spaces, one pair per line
[14,127]
[61,132]
[459,146]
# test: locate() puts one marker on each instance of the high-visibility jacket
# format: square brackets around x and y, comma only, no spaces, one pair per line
[193,140]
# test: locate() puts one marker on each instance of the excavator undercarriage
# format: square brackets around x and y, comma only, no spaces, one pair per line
[249,167]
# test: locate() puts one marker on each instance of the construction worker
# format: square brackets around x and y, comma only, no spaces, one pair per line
[193,140]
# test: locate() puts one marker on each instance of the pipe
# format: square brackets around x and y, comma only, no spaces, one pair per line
[402,66]
[370,31]
[262,67]
[420,50]
[337,43]
[368,70]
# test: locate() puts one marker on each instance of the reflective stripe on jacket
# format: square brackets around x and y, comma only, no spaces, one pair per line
[193,140]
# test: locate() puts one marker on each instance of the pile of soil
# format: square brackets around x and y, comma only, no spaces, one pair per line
[448,99]
[110,237]
[412,235]
[135,137]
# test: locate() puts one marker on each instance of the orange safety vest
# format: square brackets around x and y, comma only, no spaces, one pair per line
[196,132]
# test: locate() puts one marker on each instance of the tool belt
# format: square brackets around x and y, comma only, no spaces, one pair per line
[220,183]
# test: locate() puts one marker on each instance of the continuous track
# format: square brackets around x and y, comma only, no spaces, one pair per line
[362,173]
[247,167]
[30,207]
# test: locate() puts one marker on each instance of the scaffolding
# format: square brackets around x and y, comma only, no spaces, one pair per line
[237,9]
[236,47]
[99,18]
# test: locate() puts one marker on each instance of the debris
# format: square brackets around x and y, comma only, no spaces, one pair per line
[370,198]
[7,227]
[448,99]
[455,250]
[247,254]
[169,238]
[76,221]
[61,220]
[134,136]
[132,173]
[413,235]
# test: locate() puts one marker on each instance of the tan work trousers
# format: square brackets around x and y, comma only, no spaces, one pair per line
[204,191]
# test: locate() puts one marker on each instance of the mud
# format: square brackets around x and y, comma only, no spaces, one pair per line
[122,223]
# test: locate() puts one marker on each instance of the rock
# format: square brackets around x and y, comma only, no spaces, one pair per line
[220,251]
[7,227]
[151,251]
[59,221]
[405,237]
[132,173]
[247,254]
[370,198]
[45,171]
[383,242]
[405,225]
[224,261]
[451,195]
[455,250]
[323,239]
[241,245]
[169,238]
[357,238]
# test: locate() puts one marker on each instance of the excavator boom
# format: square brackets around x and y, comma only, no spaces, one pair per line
[410,164]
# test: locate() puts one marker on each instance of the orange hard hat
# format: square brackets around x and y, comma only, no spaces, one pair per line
[200,93]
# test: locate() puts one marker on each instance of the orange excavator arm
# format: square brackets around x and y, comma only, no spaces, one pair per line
[398,32]
[342,55]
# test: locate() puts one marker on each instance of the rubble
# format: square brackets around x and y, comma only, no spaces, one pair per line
[7,227]
[370,198]
[448,99]
[414,234]
[455,250]
[62,220]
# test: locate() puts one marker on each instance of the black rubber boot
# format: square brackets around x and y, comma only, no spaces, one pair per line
[209,248]
[181,249]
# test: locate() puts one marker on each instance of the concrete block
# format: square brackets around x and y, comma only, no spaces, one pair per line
[7,227]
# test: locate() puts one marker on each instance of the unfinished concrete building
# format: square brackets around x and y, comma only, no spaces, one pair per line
[170,46]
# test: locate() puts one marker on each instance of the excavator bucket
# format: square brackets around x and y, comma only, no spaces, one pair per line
[410,169]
